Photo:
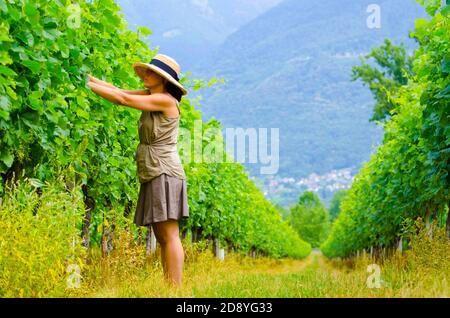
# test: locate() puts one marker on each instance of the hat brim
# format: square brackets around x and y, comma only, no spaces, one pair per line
[138,67]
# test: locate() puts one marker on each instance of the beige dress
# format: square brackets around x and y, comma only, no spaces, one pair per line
[163,188]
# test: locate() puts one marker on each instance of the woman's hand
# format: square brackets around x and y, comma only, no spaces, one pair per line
[93,79]
[90,84]
[111,94]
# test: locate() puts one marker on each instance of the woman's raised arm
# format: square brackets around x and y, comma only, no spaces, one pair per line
[106,84]
[136,92]
[153,102]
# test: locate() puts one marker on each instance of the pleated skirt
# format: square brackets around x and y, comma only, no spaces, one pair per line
[161,199]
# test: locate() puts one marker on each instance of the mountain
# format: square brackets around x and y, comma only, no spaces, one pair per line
[290,68]
[189,30]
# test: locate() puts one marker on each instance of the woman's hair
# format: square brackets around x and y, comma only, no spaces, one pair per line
[173,90]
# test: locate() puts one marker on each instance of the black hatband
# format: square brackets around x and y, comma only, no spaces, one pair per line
[165,68]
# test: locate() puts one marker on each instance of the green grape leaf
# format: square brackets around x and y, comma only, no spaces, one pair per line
[35,101]
[7,71]
[30,9]
[34,66]
[7,158]
[26,37]
[4,103]
[3,6]
[446,10]
[445,65]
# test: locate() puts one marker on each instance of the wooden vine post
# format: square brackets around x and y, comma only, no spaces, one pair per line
[150,241]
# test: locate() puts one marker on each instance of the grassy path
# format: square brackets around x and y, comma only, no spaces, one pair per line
[238,276]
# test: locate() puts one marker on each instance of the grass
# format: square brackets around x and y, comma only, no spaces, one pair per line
[39,242]
[128,272]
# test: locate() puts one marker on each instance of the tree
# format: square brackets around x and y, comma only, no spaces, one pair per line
[394,69]
[310,219]
[335,204]
[284,212]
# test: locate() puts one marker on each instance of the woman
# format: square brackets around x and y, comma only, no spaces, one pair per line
[163,192]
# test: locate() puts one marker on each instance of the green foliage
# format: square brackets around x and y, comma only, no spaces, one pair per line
[226,204]
[335,203]
[39,238]
[53,126]
[431,5]
[396,68]
[409,175]
[284,212]
[47,117]
[310,219]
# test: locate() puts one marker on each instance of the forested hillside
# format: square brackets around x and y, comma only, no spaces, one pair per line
[191,40]
[291,68]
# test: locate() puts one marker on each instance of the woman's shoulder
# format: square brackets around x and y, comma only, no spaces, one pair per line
[173,99]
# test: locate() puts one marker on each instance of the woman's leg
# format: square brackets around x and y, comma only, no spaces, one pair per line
[172,254]
[163,257]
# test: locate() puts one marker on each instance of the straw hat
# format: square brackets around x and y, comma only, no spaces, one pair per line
[165,66]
